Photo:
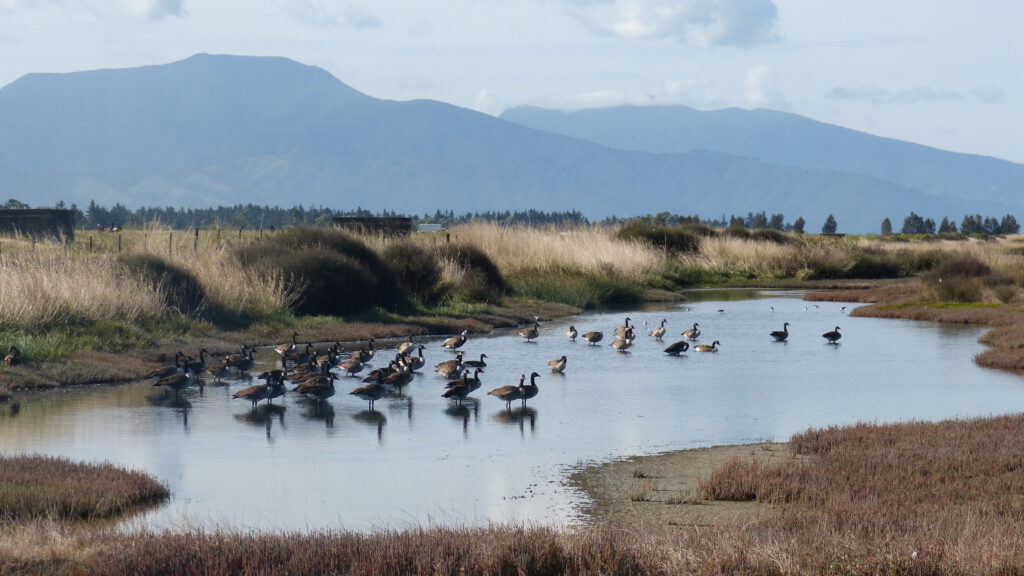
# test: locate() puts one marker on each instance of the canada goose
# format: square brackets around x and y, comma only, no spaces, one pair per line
[415,362]
[275,378]
[455,341]
[364,354]
[218,371]
[572,334]
[509,393]
[175,382]
[476,363]
[13,356]
[254,393]
[241,362]
[622,344]
[166,371]
[659,331]
[459,389]
[677,348]
[406,346]
[692,333]
[781,335]
[531,389]
[285,349]
[398,379]
[594,337]
[307,354]
[352,366]
[196,366]
[620,331]
[557,365]
[833,336]
[370,392]
[321,387]
[705,348]
[448,367]
[530,333]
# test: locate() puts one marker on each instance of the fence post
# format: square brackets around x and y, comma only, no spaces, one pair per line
[170,237]
[118,242]
[240,233]
[195,243]
[90,243]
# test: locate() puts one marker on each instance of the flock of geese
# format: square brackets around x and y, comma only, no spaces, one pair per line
[313,374]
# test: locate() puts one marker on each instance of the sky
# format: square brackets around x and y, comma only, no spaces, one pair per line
[943,73]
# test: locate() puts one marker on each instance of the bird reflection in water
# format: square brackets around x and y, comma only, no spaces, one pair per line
[401,403]
[519,416]
[462,412]
[319,410]
[167,399]
[373,418]
[263,416]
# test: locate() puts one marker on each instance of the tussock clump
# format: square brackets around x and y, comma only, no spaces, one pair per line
[673,239]
[416,268]
[180,288]
[328,271]
[958,279]
[471,274]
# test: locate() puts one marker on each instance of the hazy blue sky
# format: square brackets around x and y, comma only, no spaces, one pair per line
[939,72]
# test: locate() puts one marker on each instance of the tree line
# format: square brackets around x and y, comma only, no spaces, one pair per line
[970,224]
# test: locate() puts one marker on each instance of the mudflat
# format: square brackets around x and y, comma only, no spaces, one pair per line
[660,492]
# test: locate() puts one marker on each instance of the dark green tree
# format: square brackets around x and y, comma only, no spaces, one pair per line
[830,226]
[947,226]
[798,225]
[1009,225]
[886,226]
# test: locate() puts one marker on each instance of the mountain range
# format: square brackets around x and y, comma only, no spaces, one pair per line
[222,130]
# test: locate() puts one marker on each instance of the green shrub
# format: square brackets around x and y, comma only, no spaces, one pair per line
[870,265]
[416,268]
[678,239]
[576,288]
[959,279]
[180,289]
[770,235]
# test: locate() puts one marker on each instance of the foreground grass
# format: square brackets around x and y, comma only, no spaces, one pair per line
[941,498]
[917,498]
[58,489]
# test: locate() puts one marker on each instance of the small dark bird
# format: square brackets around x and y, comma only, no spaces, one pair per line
[832,336]
[677,348]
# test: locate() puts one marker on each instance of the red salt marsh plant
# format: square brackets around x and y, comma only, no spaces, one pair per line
[56,488]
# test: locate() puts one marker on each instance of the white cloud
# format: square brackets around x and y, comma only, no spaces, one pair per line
[988,94]
[877,95]
[313,12]
[361,19]
[702,23]
[154,9]
[761,89]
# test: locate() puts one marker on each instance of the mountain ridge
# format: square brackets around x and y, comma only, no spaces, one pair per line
[218,130]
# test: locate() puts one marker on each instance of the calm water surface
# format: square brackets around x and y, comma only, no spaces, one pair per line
[418,460]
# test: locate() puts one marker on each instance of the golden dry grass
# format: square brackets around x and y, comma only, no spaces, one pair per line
[586,249]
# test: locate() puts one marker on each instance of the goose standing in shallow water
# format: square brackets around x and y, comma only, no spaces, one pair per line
[455,341]
[620,331]
[705,348]
[659,331]
[509,393]
[530,333]
[621,344]
[571,334]
[692,333]
[833,336]
[286,349]
[781,335]
[476,363]
[557,365]
[371,392]
[594,337]
[677,348]
[531,389]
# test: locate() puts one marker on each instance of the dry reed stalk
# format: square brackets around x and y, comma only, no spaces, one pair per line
[590,250]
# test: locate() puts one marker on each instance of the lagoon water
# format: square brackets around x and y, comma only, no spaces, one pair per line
[418,460]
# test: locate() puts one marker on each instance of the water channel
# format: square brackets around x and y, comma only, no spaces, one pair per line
[418,460]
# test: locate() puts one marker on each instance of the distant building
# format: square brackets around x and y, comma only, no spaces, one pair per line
[390,226]
[429,227]
[40,223]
